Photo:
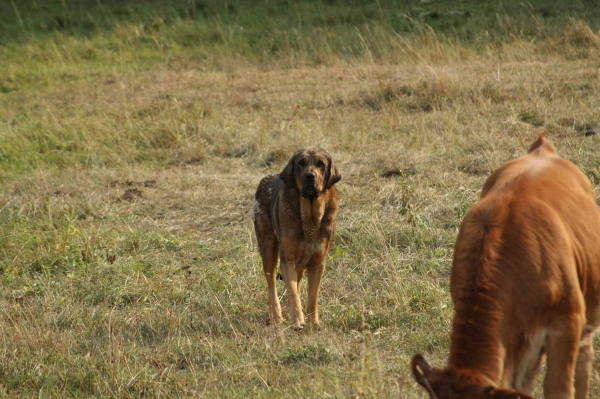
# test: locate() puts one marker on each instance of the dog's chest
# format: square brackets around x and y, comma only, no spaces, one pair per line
[312,244]
[312,216]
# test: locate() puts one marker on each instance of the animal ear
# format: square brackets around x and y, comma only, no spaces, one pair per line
[543,143]
[491,393]
[288,174]
[333,175]
[421,370]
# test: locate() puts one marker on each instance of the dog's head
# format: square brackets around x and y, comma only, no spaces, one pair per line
[447,384]
[311,171]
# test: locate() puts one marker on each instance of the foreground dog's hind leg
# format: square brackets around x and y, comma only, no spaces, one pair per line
[583,370]
[315,273]
[292,282]
[530,376]
[562,350]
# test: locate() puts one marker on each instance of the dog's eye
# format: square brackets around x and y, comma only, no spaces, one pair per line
[320,164]
[302,162]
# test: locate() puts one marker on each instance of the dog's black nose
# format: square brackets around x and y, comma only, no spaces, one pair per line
[310,175]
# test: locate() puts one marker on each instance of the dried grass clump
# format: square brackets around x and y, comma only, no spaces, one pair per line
[576,41]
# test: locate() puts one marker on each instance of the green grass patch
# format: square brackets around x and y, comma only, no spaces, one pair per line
[132,138]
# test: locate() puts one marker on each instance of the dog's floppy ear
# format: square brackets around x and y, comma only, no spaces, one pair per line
[288,174]
[333,174]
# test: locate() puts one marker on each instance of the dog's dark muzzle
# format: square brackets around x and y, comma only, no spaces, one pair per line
[309,186]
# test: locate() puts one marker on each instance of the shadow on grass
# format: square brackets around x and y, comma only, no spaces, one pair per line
[469,20]
[20,20]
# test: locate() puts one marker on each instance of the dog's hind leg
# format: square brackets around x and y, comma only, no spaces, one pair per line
[562,347]
[268,251]
[268,247]
[583,368]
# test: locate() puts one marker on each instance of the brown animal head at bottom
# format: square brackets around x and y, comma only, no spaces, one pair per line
[311,171]
[448,384]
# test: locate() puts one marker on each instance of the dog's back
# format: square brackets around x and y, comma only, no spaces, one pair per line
[264,204]
[526,279]
[526,262]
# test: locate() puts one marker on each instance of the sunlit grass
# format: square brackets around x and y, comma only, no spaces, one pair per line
[132,140]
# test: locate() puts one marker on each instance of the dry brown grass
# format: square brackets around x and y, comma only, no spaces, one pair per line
[159,292]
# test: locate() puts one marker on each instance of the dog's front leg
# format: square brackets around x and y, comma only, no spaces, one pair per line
[292,275]
[315,273]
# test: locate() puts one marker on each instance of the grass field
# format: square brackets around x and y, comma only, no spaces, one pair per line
[133,135]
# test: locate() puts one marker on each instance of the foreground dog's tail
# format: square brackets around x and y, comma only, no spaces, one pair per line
[542,144]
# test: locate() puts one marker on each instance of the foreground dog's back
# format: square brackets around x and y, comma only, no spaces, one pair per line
[525,283]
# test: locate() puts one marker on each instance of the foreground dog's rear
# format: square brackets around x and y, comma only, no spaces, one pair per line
[525,285]
[294,219]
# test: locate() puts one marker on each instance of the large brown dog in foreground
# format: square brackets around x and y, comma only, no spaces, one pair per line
[294,217]
[525,285]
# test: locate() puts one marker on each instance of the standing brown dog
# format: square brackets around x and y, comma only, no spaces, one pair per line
[294,216]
